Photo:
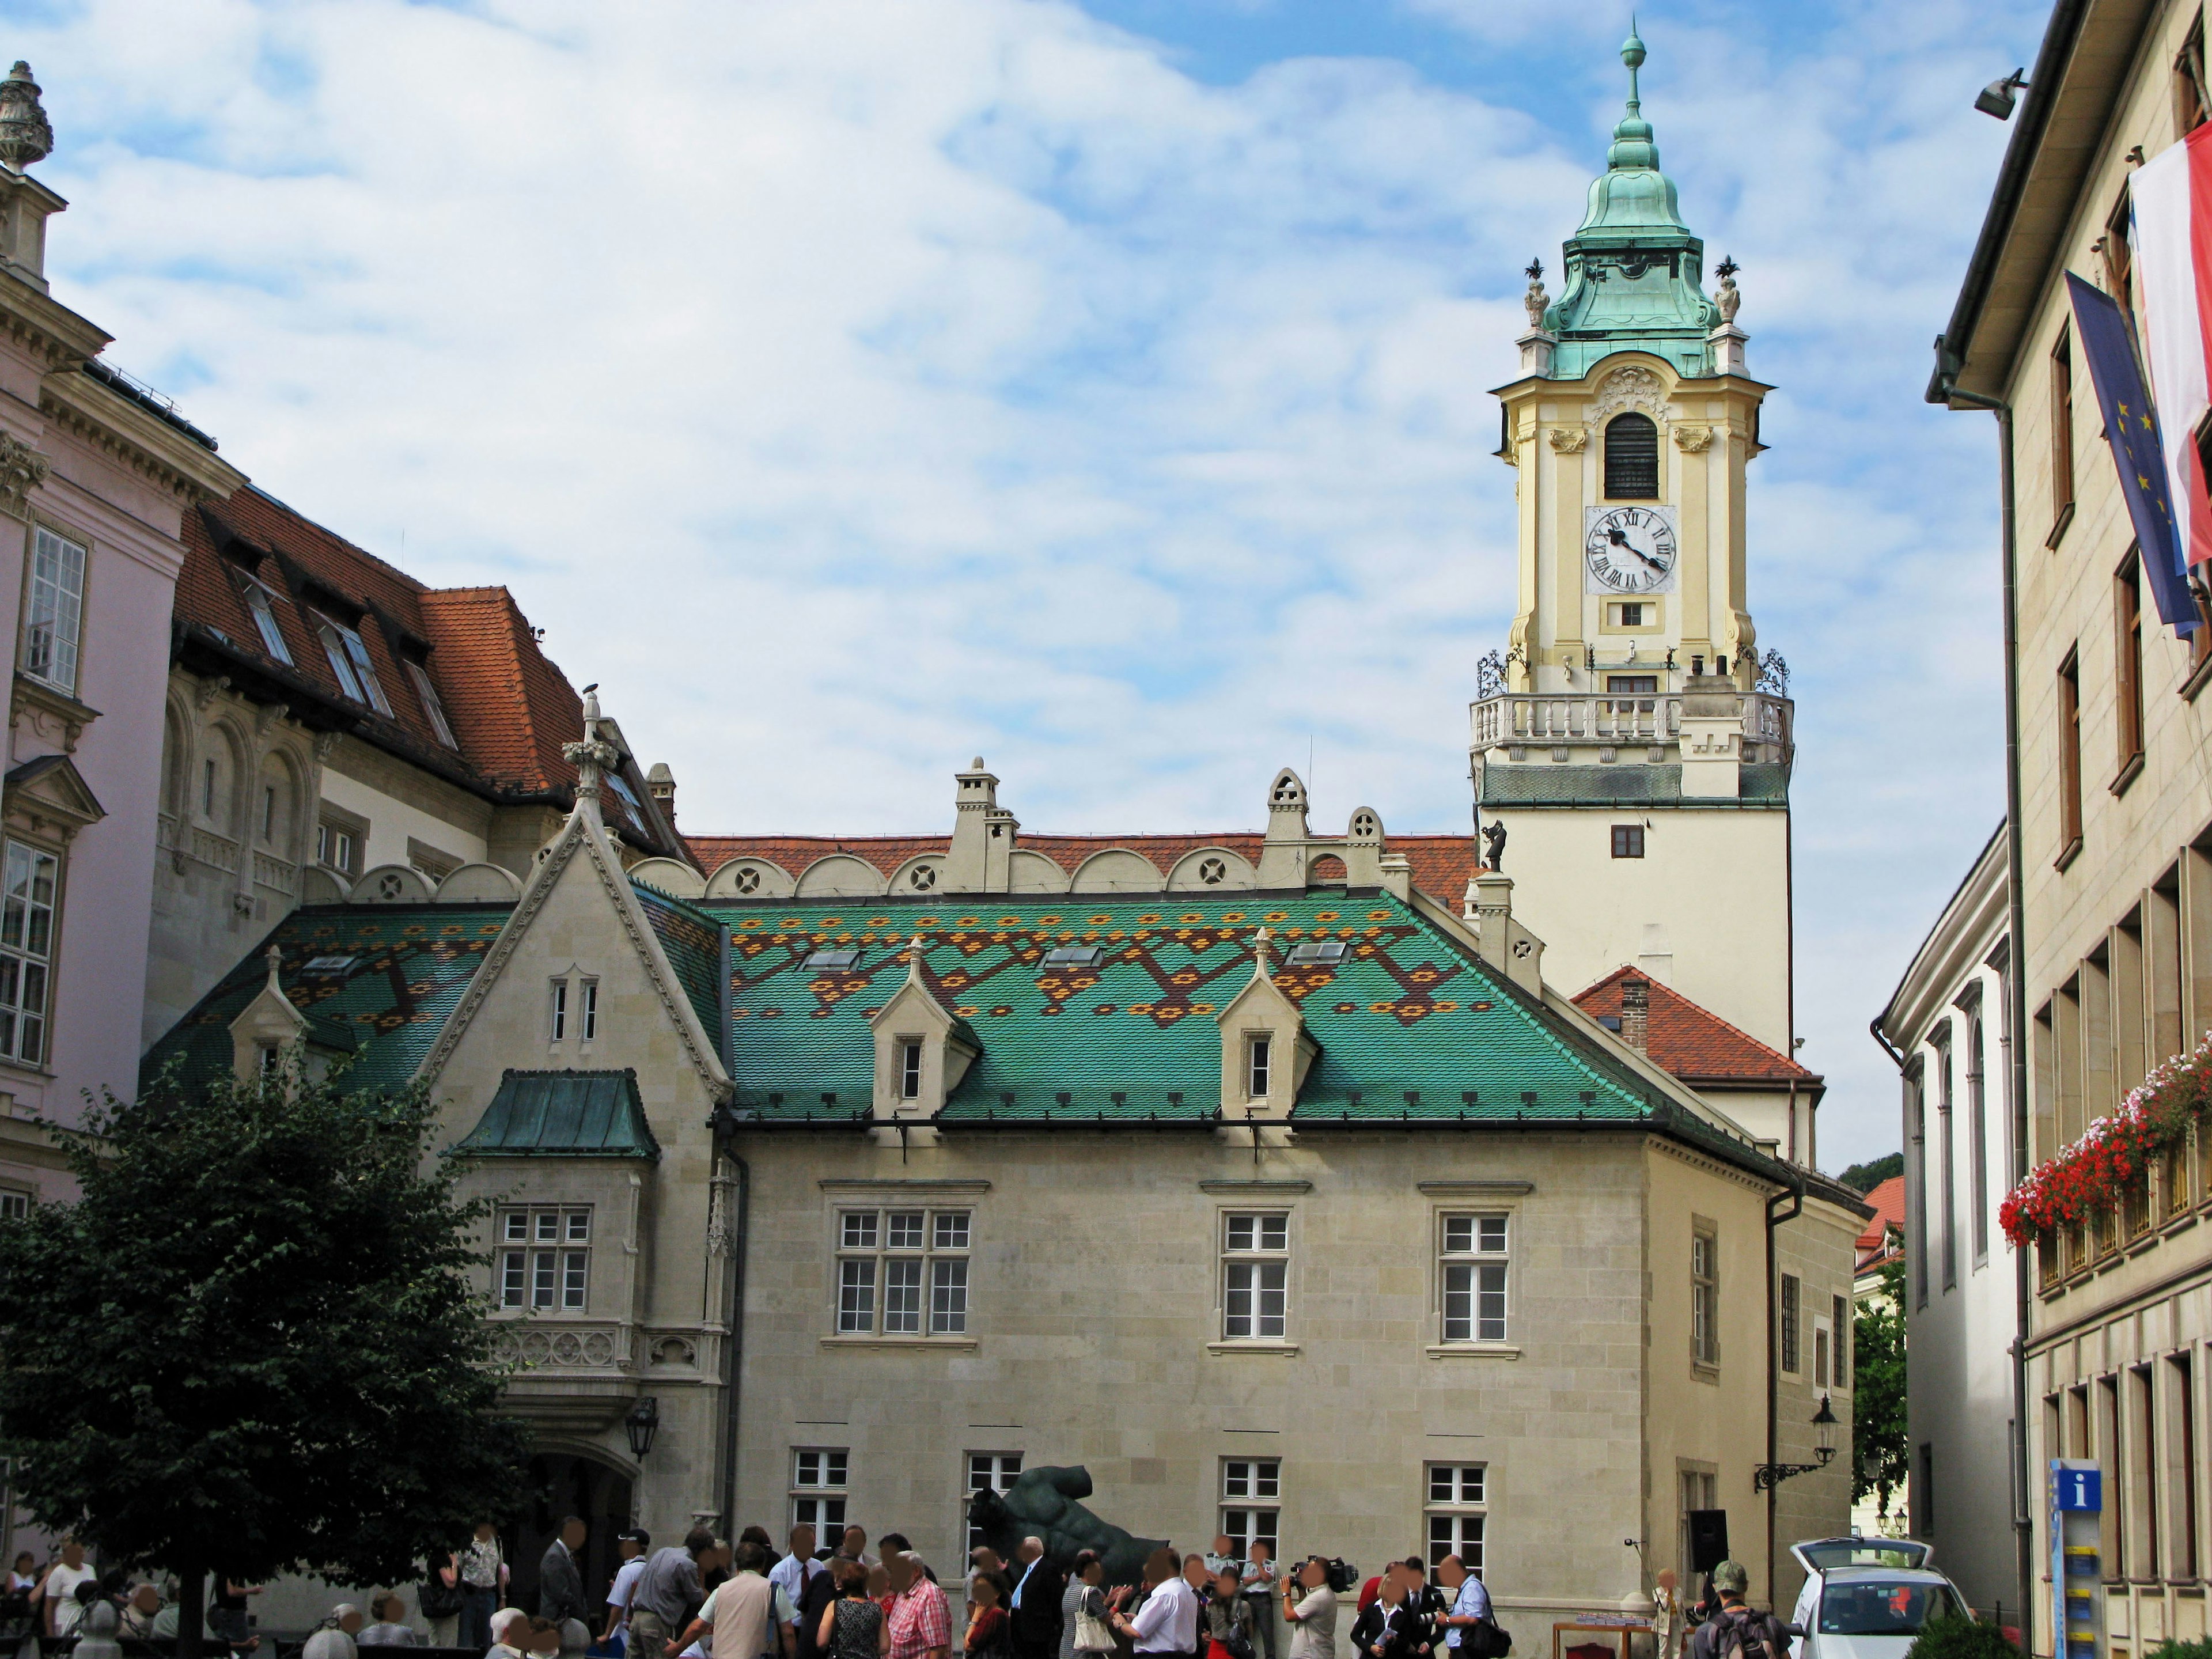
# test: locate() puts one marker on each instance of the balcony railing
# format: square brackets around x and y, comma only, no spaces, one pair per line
[1612,718]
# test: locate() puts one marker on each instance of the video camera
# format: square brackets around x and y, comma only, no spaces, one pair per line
[1340,1573]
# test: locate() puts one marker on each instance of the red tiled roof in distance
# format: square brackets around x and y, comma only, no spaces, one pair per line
[1888,1201]
[1442,864]
[1692,1043]
[510,707]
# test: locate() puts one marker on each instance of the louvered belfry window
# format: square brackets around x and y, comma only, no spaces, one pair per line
[1631,459]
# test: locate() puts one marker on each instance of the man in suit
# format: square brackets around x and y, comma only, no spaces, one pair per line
[560,1583]
[1036,1605]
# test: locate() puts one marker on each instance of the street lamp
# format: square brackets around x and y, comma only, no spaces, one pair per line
[644,1420]
[1997,98]
[1767,1476]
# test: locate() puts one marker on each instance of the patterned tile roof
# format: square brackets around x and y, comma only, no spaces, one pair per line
[387,974]
[1442,863]
[510,708]
[1411,1025]
[1629,783]
[1690,1041]
[563,1114]
[693,940]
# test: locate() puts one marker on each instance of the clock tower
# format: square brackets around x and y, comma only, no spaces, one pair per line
[1630,738]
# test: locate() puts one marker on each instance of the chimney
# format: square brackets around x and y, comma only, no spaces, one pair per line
[660,784]
[1635,1012]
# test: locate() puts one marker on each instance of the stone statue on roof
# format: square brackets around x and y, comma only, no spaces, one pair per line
[1493,845]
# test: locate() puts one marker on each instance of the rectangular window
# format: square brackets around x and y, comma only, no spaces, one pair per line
[338,847]
[1923,1499]
[1791,1298]
[2111,1454]
[2061,432]
[2127,641]
[819,1486]
[1455,1503]
[987,1472]
[1472,1273]
[53,610]
[1631,616]
[1820,1356]
[1251,1501]
[348,654]
[1255,1274]
[2183,1476]
[268,813]
[1977,1131]
[206,788]
[27,946]
[919,1257]
[261,604]
[1915,1177]
[1257,1052]
[1628,841]
[1949,1173]
[1839,1315]
[2191,105]
[2069,756]
[1632,685]
[591,1009]
[1704,1298]
[2146,1483]
[435,710]
[14,1205]
[543,1277]
[560,1010]
[909,1071]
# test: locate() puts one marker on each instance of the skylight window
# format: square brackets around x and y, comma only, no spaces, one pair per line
[349,659]
[263,603]
[1326,951]
[327,965]
[832,961]
[615,782]
[431,706]
[1074,955]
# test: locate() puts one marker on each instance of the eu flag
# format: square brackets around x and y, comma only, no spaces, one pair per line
[2131,424]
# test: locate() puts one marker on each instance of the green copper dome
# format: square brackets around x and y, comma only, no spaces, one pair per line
[1633,270]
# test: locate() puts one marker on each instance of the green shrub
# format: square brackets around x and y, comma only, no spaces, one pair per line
[1959,1637]
[2198,1650]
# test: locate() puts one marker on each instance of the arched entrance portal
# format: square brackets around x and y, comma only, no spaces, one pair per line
[561,1484]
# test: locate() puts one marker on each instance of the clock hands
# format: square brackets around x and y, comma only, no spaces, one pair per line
[1613,534]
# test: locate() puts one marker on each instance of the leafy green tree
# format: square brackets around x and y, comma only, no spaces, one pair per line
[1880,1449]
[1865,1177]
[251,1346]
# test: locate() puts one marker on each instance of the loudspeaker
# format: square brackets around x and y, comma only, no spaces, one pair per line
[1708,1538]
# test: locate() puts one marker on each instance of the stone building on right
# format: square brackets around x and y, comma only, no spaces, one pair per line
[2108,892]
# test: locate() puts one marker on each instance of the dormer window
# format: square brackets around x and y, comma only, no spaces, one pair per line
[1326,952]
[909,1068]
[1259,1053]
[349,659]
[261,602]
[420,673]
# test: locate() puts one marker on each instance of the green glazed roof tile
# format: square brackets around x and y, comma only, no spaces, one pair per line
[563,1114]
[693,941]
[1410,1024]
[374,980]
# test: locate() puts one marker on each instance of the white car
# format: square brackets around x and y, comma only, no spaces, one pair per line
[1867,1598]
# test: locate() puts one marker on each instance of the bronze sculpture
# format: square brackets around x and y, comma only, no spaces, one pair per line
[1041,1503]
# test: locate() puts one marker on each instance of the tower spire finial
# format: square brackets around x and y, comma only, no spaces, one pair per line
[1631,53]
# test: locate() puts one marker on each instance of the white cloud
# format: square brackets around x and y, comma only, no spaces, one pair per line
[851,386]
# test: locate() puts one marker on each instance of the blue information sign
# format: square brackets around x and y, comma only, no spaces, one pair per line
[2078,1489]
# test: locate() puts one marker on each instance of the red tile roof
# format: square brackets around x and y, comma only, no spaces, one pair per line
[1692,1043]
[509,706]
[1442,864]
[1888,1202]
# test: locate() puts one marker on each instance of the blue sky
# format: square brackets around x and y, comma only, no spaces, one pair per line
[852,387]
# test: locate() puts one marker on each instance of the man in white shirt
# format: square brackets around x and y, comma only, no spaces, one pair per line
[1168,1620]
[57,1591]
[633,1545]
[794,1573]
[1310,1606]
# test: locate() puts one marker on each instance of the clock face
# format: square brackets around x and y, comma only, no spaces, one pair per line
[1630,549]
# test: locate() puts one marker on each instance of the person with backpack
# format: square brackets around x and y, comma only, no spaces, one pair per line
[1735,1632]
[1225,1620]
[1471,1629]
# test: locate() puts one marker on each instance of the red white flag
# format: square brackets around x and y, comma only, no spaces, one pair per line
[2171,196]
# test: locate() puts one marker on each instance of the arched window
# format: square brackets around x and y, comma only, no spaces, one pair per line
[1631,459]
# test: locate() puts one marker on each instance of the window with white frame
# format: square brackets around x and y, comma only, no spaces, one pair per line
[15,1203]
[420,673]
[1255,1277]
[909,1073]
[261,604]
[349,659]
[53,610]
[903,1273]
[1473,1278]
[820,1487]
[1705,1297]
[28,896]
[338,846]
[1259,1053]
[1455,1507]
[1251,1502]
[544,1259]
[986,1471]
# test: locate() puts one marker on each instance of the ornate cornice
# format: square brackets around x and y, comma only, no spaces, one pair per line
[89,411]
[23,470]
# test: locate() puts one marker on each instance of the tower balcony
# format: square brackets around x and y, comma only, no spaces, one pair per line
[1708,740]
